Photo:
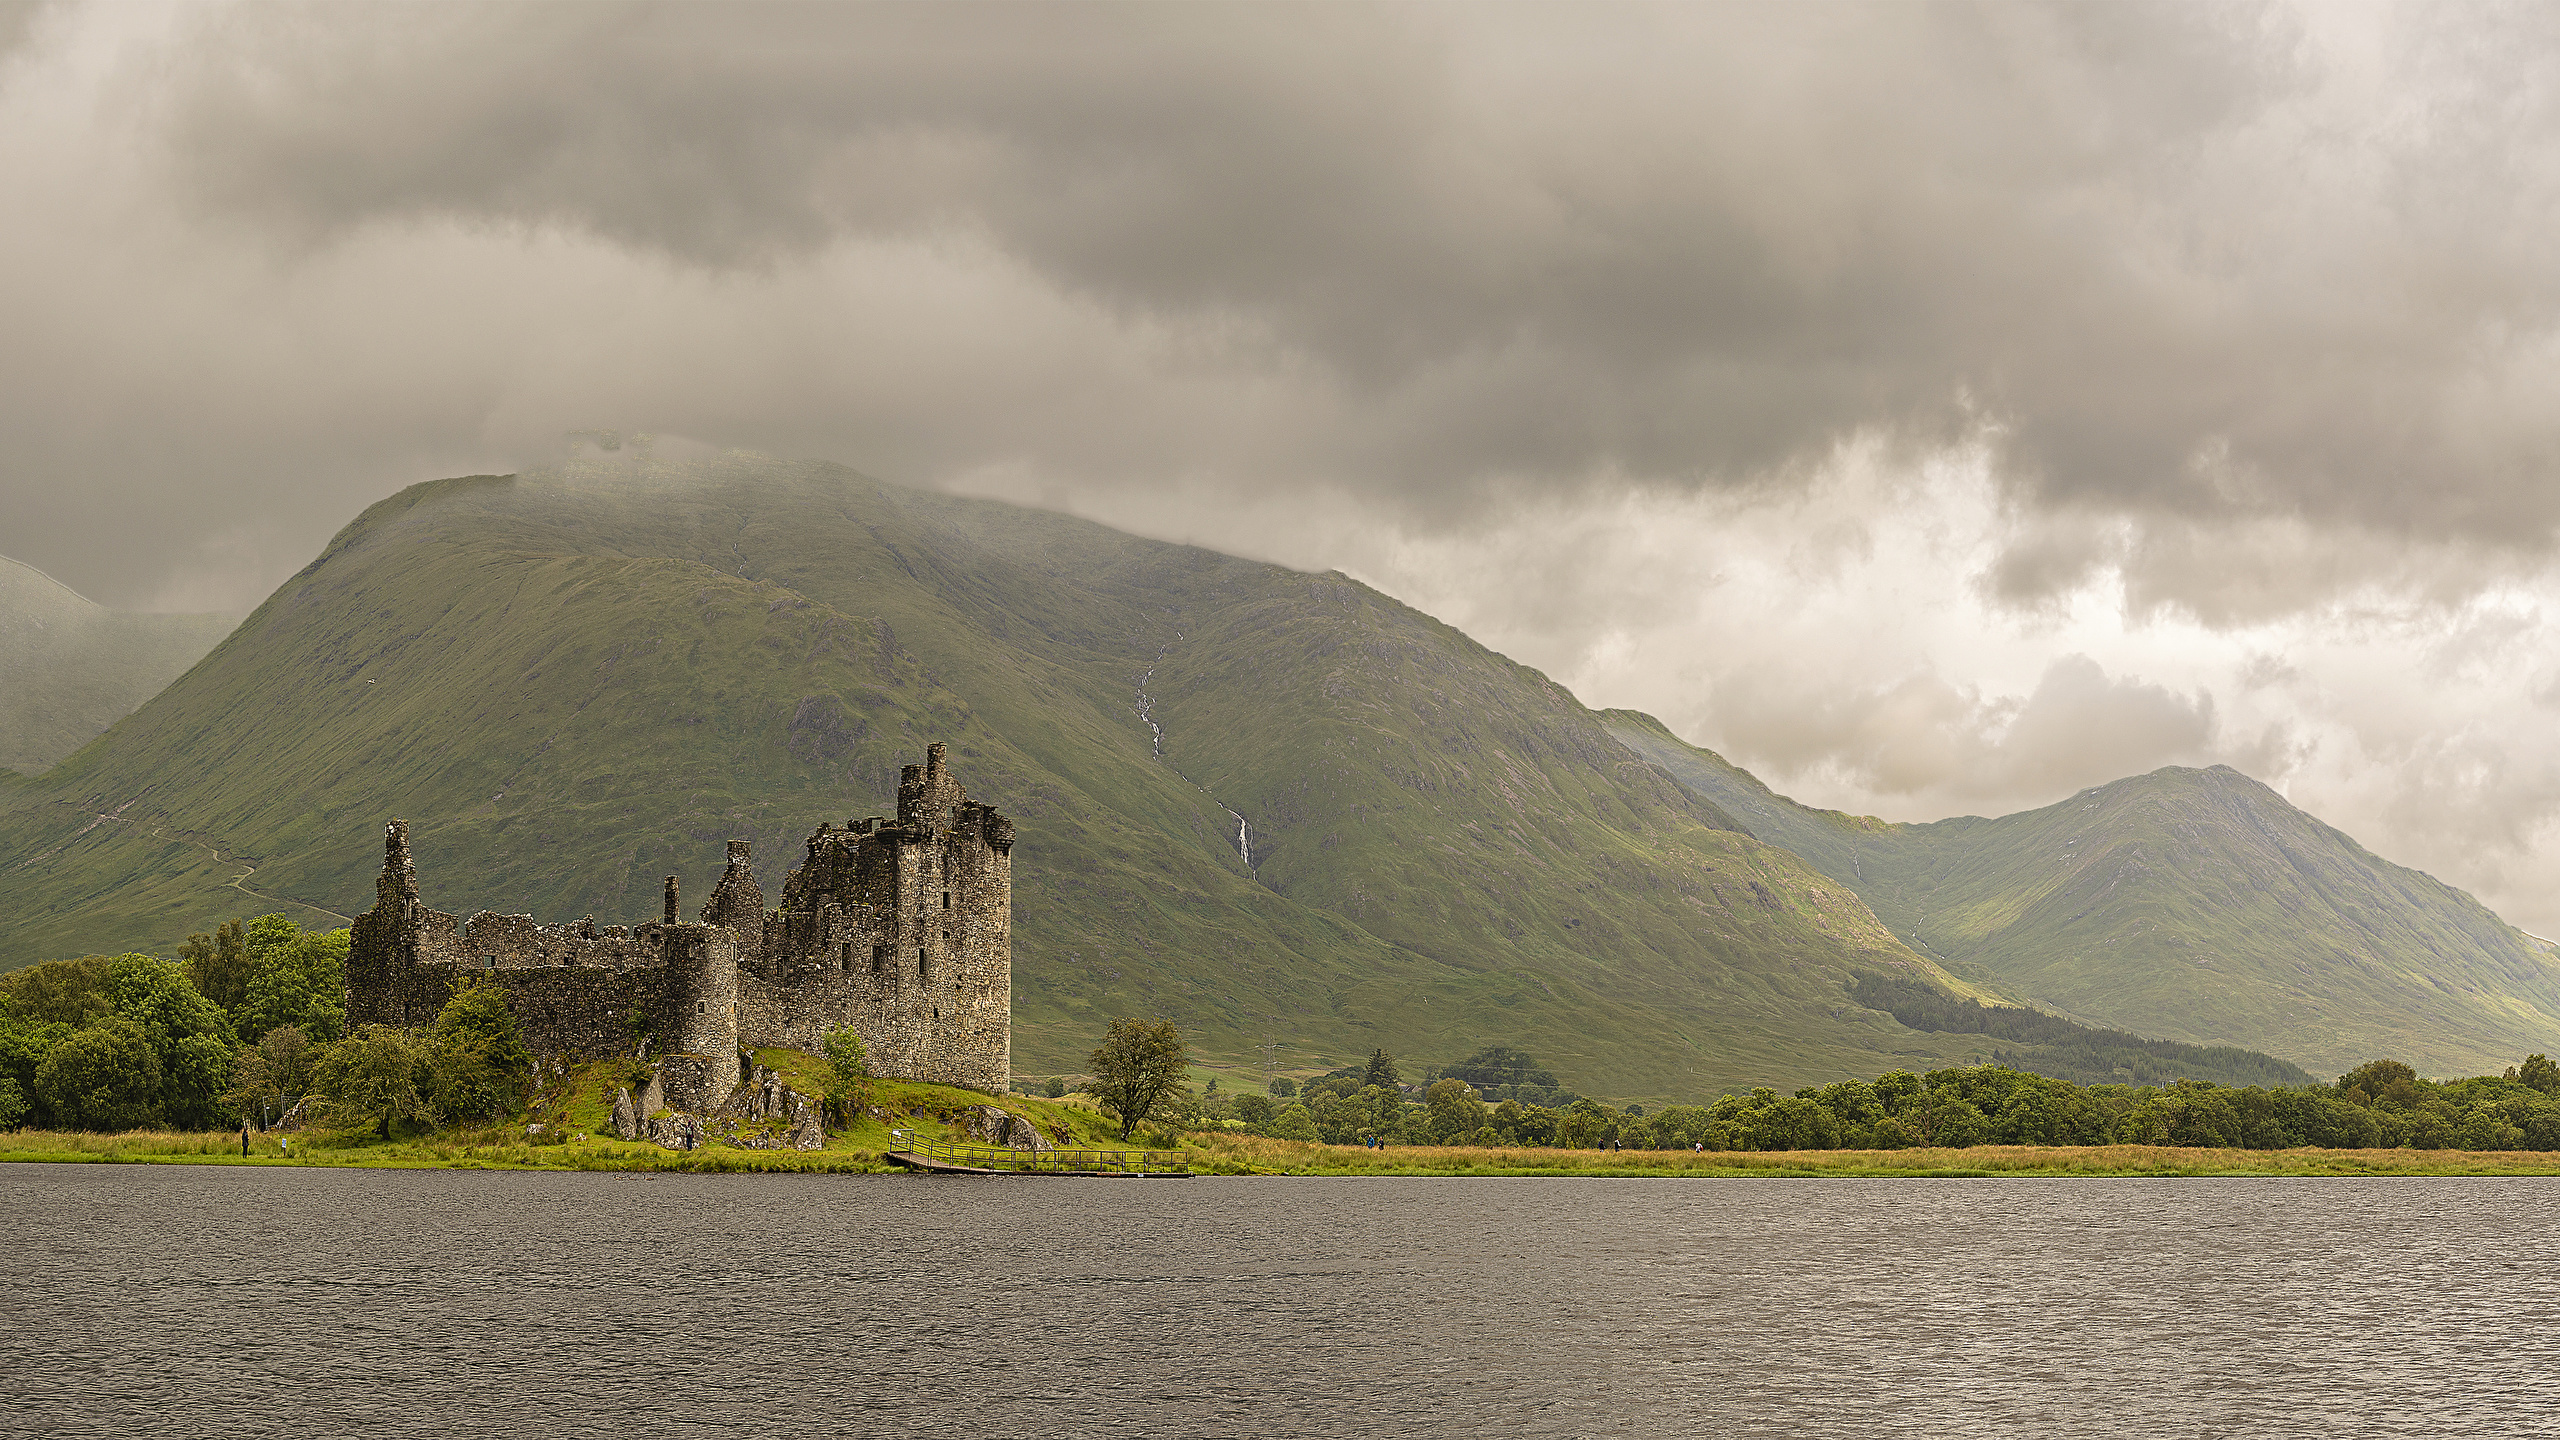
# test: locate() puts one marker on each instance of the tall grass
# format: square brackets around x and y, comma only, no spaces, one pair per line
[1255,1155]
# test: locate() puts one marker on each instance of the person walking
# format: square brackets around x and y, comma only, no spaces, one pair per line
[244,1139]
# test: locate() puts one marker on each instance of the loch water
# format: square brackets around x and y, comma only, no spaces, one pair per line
[256,1302]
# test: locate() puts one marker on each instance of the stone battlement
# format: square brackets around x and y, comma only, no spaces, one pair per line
[902,930]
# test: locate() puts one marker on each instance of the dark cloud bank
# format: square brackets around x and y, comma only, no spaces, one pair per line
[2243,315]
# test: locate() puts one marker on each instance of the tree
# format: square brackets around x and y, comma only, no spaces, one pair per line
[1256,1111]
[296,977]
[1283,1088]
[1056,1087]
[479,1066]
[1382,1071]
[2540,1073]
[218,963]
[1293,1123]
[59,992]
[1795,1123]
[1497,1069]
[2375,1077]
[190,1036]
[105,1076]
[848,1079]
[1454,1110]
[1137,1067]
[271,1076]
[380,1073]
[1941,1117]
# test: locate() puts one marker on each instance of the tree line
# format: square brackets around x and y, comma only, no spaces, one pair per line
[246,1027]
[2382,1104]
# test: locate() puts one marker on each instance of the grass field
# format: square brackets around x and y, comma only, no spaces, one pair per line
[857,1152]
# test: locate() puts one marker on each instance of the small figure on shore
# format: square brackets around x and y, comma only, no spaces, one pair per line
[244,1139]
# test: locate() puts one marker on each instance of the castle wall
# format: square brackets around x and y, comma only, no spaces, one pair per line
[903,931]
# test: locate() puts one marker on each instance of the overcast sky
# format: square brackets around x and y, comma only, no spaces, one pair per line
[1936,408]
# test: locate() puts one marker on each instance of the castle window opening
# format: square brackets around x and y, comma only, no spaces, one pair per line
[946,899]
[922,972]
[701,1007]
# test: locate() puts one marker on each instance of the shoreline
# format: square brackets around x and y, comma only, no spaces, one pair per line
[1252,1156]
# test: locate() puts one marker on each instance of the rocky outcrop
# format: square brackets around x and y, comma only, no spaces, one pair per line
[988,1125]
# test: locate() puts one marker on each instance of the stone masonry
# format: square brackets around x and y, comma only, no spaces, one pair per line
[901,929]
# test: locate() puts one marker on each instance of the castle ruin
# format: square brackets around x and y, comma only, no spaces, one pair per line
[902,930]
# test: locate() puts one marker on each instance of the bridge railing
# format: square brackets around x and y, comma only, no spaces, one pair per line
[1055,1162]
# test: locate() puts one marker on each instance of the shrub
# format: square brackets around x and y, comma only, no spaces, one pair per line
[106,1076]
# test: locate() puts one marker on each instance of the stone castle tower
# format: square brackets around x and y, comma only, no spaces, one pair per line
[901,929]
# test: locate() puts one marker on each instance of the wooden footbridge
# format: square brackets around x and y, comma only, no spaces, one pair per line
[999,1160]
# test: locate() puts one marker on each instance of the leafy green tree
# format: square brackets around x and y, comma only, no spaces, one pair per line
[2539,1073]
[1944,1118]
[272,1076]
[1293,1123]
[1679,1127]
[103,1076]
[1256,1111]
[1890,1133]
[59,992]
[190,1035]
[478,1063]
[14,1105]
[1584,1125]
[381,1074]
[2375,1077]
[848,1078]
[218,964]
[1383,1072]
[23,1045]
[1138,1065]
[1454,1110]
[1794,1123]
[1854,1103]
[1056,1087]
[1282,1087]
[2487,1129]
[1898,1090]
[296,977]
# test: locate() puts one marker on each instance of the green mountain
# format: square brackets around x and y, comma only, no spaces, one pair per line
[2195,905]
[1281,808]
[69,667]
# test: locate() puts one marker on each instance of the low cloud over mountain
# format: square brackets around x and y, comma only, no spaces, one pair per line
[1937,406]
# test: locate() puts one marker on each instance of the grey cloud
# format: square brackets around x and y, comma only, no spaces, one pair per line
[2166,254]
[1924,736]
[18,24]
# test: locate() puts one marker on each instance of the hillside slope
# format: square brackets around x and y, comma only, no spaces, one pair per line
[2195,905]
[1361,828]
[69,667]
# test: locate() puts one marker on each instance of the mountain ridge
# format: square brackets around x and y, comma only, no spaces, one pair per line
[70,667]
[2315,944]
[572,683]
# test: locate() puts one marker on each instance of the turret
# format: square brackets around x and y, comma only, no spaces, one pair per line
[396,889]
[738,901]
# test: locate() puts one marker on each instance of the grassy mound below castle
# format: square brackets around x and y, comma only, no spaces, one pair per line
[568,1125]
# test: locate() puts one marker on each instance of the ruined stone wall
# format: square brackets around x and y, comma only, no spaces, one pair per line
[902,930]
[576,990]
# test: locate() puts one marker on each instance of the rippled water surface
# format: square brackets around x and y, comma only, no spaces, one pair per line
[270,1302]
